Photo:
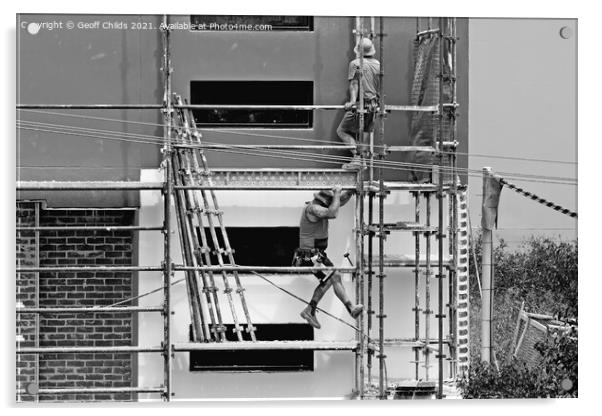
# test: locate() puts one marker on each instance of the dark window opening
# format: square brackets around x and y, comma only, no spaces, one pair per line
[251,23]
[253,246]
[260,360]
[253,93]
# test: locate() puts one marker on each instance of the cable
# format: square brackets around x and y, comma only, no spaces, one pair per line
[159,140]
[139,136]
[268,152]
[237,132]
[536,198]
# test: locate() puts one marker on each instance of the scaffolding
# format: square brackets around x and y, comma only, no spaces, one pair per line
[190,183]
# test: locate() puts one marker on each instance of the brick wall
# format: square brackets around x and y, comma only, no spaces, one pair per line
[25,286]
[85,289]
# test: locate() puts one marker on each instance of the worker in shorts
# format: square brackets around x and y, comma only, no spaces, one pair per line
[313,241]
[349,127]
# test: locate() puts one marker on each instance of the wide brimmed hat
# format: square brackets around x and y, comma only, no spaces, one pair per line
[367,47]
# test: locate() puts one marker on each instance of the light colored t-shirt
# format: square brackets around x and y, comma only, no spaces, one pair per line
[370,70]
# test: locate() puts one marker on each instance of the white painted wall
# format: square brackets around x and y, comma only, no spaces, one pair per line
[333,375]
[523,102]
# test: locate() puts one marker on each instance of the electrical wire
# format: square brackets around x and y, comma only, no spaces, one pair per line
[270,152]
[238,132]
[299,155]
[140,136]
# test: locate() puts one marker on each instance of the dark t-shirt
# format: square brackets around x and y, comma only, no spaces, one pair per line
[310,231]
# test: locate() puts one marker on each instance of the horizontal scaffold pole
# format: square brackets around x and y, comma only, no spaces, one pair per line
[267,146]
[66,350]
[266,269]
[115,309]
[427,32]
[93,390]
[87,186]
[90,228]
[267,345]
[415,108]
[410,108]
[89,269]
[90,106]
[260,187]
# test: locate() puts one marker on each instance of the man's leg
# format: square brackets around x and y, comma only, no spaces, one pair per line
[339,290]
[309,313]
[346,131]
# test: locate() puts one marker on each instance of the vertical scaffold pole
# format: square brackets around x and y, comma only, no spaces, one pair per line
[417,286]
[167,192]
[381,219]
[440,276]
[427,290]
[360,198]
[37,299]
[453,203]
[370,310]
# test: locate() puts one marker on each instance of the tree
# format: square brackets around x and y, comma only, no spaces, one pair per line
[543,275]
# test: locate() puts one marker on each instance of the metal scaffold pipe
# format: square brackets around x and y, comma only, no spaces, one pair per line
[167,192]
[89,106]
[381,219]
[440,315]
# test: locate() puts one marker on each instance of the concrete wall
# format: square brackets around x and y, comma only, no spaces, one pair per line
[123,66]
[333,375]
[523,96]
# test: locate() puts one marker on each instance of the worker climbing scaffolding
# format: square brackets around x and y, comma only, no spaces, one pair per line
[363,79]
[313,241]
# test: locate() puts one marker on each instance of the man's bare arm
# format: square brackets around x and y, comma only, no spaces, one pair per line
[333,210]
[353,91]
[346,196]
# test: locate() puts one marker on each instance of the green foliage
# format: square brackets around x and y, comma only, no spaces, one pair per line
[555,376]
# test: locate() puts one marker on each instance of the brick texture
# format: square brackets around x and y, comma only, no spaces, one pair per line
[79,289]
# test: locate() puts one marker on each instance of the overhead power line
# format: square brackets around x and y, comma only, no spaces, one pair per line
[302,139]
[157,140]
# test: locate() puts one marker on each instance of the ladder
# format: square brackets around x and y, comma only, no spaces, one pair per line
[199,214]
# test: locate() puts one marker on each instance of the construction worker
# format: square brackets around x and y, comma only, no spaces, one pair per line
[313,241]
[349,127]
